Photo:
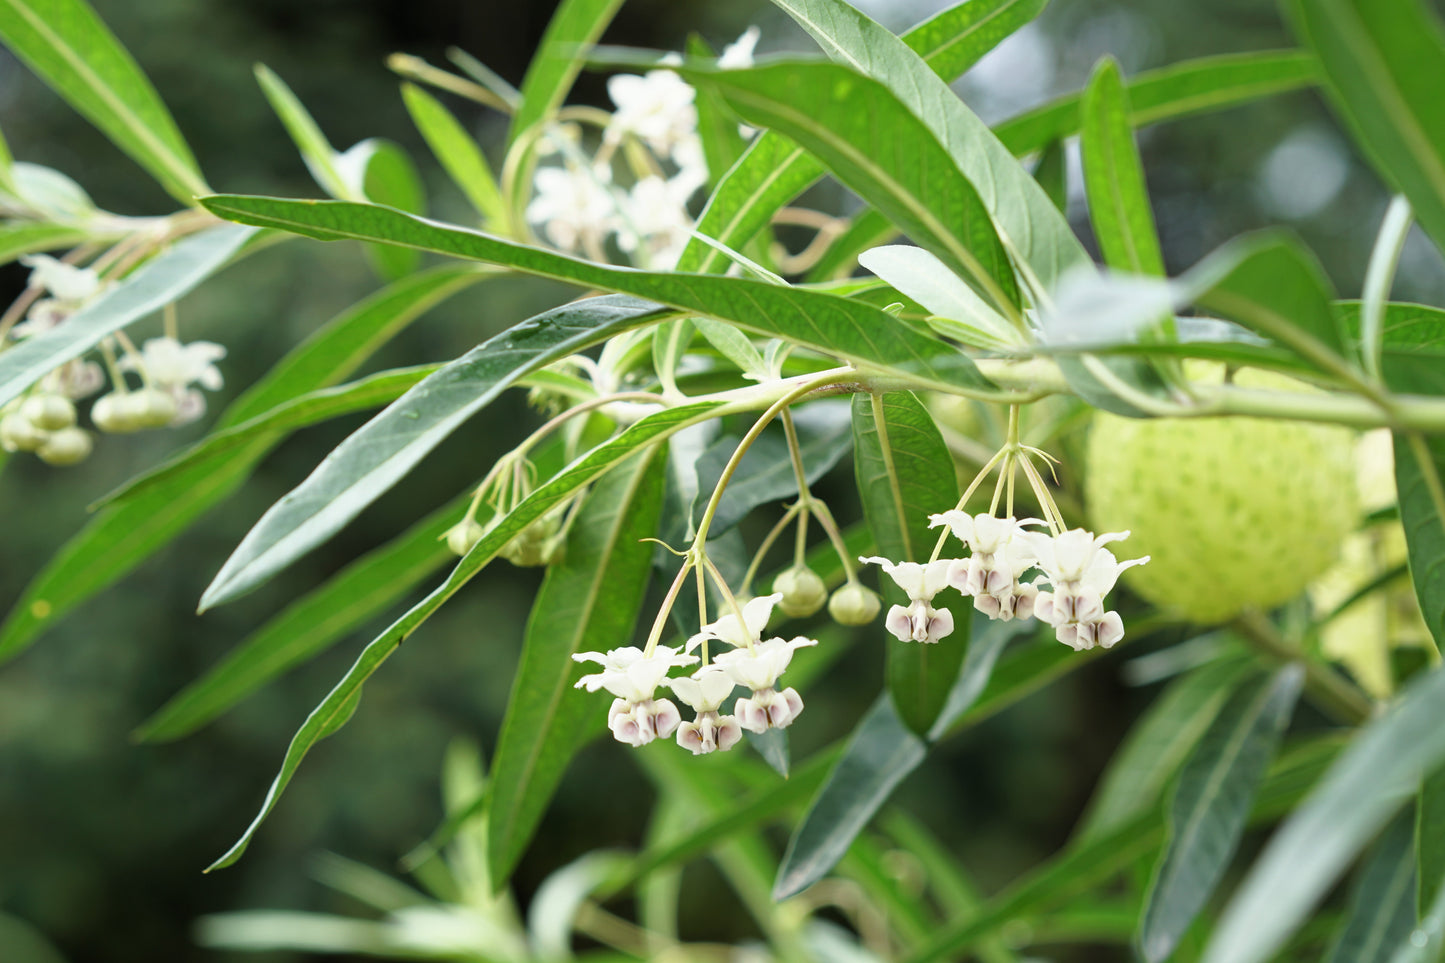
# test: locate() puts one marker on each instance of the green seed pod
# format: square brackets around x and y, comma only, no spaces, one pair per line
[463,535]
[68,446]
[154,408]
[803,592]
[48,412]
[18,434]
[854,604]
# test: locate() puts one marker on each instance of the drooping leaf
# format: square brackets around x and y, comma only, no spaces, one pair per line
[1114,177]
[1052,173]
[1210,804]
[1419,464]
[458,153]
[1382,906]
[124,534]
[589,602]
[1379,61]
[1430,841]
[905,474]
[1380,770]
[575,26]
[316,150]
[959,312]
[65,43]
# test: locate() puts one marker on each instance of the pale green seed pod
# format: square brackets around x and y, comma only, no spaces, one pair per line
[463,535]
[68,446]
[854,604]
[48,412]
[803,592]
[18,434]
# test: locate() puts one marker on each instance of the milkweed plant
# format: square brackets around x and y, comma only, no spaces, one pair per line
[1051,459]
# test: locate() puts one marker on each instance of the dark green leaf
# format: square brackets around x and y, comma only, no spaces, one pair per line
[717,126]
[1114,177]
[72,50]
[1381,60]
[905,474]
[1419,464]
[1380,770]
[1211,802]
[1430,841]
[1052,173]
[1382,907]
[388,176]
[589,602]
[575,26]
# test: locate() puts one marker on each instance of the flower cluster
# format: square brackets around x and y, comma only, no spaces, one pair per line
[637,716]
[1076,572]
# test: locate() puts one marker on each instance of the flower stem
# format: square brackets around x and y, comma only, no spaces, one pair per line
[1335,694]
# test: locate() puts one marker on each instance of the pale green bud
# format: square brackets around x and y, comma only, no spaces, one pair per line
[463,535]
[803,592]
[18,434]
[118,412]
[68,446]
[154,408]
[854,604]
[48,412]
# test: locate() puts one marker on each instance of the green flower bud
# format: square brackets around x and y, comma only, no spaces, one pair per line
[18,434]
[537,544]
[68,446]
[803,592]
[854,604]
[154,408]
[463,535]
[119,412]
[48,412]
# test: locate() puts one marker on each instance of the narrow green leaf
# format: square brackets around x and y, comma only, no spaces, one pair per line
[870,141]
[1179,90]
[717,126]
[458,153]
[1380,61]
[316,150]
[308,626]
[584,470]
[1378,772]
[905,474]
[152,286]
[1382,906]
[1430,841]
[587,603]
[383,173]
[957,311]
[372,459]
[1052,173]
[123,535]
[1419,464]
[879,754]
[575,26]
[1114,177]
[773,171]
[69,47]
[19,238]
[1211,802]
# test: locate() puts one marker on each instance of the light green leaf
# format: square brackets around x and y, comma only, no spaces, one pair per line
[921,276]
[1382,906]
[575,26]
[1380,61]
[869,140]
[69,47]
[18,238]
[58,198]
[717,126]
[905,474]
[124,534]
[458,153]
[955,38]
[554,908]
[1114,177]
[1426,942]
[1210,804]
[1375,775]
[1430,841]
[589,602]
[378,454]
[308,626]
[152,286]
[1052,173]
[382,172]
[316,150]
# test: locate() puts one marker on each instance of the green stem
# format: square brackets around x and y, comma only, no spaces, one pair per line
[1335,694]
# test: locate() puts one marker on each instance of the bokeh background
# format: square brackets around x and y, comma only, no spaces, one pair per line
[102,841]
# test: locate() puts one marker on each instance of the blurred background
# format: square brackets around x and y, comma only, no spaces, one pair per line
[102,841]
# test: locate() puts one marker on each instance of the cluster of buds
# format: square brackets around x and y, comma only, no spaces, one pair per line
[1077,571]
[508,483]
[638,716]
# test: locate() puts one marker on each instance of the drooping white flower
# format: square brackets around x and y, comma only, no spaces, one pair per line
[654,218]
[756,613]
[657,108]
[1081,572]
[638,723]
[65,282]
[174,368]
[739,53]
[574,207]
[918,621]
[997,557]
[635,717]
[42,316]
[705,691]
[75,379]
[760,670]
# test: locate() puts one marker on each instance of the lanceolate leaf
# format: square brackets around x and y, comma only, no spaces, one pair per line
[1419,463]
[72,50]
[150,288]
[1430,840]
[905,474]
[20,238]
[870,142]
[1380,61]
[575,26]
[458,154]
[589,602]
[382,451]
[1114,178]
[1378,772]
[1382,908]
[584,470]
[309,625]
[124,534]
[1214,795]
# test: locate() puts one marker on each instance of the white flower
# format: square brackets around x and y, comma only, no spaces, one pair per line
[997,557]
[657,108]
[75,379]
[918,621]
[42,316]
[627,673]
[706,689]
[171,364]
[760,668]
[1081,572]
[739,53]
[638,723]
[709,732]
[769,709]
[574,207]
[65,281]
[655,217]
[726,629]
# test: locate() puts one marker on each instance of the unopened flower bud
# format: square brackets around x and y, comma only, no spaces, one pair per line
[117,412]
[153,408]
[854,604]
[463,535]
[803,592]
[18,434]
[68,446]
[536,545]
[48,412]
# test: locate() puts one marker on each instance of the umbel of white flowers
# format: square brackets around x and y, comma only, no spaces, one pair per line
[638,716]
[1077,572]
